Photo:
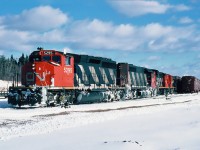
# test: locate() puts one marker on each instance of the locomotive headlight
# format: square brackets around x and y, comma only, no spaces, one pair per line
[33,66]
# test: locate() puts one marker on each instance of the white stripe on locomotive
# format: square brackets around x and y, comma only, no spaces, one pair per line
[84,76]
[142,79]
[145,79]
[94,74]
[105,79]
[134,79]
[137,78]
[113,75]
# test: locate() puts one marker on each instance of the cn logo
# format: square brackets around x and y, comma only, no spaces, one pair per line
[68,70]
[43,76]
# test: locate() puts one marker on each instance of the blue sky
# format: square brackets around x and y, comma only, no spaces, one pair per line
[163,35]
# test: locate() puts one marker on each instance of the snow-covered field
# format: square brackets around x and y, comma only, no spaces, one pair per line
[4,85]
[150,124]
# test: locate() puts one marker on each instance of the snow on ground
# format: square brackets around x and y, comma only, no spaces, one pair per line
[150,123]
[4,85]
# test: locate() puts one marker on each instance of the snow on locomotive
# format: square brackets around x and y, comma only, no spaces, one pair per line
[55,78]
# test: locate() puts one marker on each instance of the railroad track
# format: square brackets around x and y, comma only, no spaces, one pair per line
[112,109]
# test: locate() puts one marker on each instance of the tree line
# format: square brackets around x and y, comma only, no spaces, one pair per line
[10,68]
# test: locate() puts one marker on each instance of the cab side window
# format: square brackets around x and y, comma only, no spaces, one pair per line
[68,60]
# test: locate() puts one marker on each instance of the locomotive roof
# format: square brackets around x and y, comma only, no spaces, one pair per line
[188,77]
[146,69]
[95,59]
[88,58]
[36,51]
[139,67]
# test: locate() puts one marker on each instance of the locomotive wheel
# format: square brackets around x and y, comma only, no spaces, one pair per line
[19,101]
[19,104]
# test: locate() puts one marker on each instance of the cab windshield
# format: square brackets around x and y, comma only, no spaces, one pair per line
[46,58]
[34,58]
[56,59]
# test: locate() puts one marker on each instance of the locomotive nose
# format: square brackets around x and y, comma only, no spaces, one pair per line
[28,77]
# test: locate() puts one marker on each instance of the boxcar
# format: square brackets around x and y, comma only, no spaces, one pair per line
[190,84]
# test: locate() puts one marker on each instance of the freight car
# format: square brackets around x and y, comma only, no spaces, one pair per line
[189,84]
[55,78]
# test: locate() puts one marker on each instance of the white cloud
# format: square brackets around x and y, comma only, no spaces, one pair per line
[91,34]
[185,20]
[134,8]
[97,34]
[14,40]
[139,7]
[40,18]
[102,35]
[156,30]
[52,36]
[32,28]
[67,50]
[124,30]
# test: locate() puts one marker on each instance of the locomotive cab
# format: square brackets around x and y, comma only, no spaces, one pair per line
[49,68]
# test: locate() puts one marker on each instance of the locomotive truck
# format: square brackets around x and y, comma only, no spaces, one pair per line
[55,78]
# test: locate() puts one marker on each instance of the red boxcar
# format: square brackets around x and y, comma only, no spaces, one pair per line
[190,84]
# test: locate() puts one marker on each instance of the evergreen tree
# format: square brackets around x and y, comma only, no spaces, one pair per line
[11,67]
